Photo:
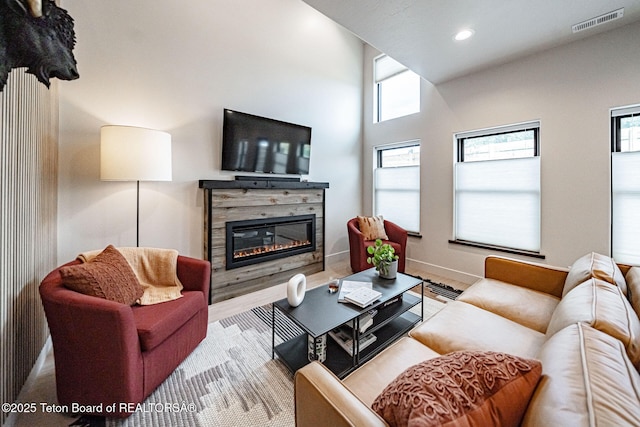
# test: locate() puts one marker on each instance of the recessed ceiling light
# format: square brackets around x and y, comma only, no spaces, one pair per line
[463,34]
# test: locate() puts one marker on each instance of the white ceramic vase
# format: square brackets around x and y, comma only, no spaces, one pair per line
[296,288]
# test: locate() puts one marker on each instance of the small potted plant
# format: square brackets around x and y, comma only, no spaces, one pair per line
[384,259]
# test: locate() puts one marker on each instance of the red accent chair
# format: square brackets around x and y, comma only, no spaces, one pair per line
[106,352]
[358,245]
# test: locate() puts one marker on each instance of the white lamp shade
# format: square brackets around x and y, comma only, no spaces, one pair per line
[130,153]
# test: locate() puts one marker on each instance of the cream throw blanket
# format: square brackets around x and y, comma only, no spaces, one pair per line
[155,269]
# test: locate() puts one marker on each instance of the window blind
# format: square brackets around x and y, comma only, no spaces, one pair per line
[397,195]
[497,202]
[625,207]
[386,67]
[535,124]
[625,111]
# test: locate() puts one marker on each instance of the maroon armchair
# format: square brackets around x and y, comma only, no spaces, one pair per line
[111,353]
[358,245]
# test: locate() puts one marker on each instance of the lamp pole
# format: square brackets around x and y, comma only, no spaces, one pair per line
[137,213]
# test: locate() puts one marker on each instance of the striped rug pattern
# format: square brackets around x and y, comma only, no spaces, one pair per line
[230,379]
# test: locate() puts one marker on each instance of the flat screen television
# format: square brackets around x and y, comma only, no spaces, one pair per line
[258,144]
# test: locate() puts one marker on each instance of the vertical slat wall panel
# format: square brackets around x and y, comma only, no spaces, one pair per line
[28,222]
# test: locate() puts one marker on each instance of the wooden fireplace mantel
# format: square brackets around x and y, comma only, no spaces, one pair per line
[261,183]
[248,199]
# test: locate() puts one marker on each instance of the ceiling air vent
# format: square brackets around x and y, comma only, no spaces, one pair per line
[598,20]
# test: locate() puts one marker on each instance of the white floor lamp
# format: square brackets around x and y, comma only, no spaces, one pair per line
[130,153]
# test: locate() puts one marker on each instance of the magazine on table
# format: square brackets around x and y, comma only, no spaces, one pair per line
[348,286]
[362,297]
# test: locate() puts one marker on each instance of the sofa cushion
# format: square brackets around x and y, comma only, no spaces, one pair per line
[462,326]
[587,380]
[368,381]
[372,227]
[157,322]
[525,306]
[107,276]
[594,265]
[604,307]
[633,288]
[461,388]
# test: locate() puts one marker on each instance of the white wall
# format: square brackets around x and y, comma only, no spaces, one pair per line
[174,66]
[570,89]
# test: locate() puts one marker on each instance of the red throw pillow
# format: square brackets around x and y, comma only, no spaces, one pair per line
[461,388]
[107,276]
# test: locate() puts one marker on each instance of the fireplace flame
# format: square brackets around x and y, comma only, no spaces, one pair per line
[270,248]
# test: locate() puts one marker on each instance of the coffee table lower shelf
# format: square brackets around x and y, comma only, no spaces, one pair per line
[294,352]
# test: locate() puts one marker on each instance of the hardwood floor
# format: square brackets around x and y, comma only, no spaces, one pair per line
[236,305]
[41,385]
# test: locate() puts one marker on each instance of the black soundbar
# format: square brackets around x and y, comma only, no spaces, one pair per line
[266,178]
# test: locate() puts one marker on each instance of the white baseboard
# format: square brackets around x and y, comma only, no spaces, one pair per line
[437,270]
[336,258]
[459,276]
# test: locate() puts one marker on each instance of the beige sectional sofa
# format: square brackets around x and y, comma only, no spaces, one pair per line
[581,324]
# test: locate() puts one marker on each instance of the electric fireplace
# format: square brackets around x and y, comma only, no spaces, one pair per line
[259,240]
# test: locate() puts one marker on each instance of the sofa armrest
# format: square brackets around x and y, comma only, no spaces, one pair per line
[357,253]
[194,274]
[354,231]
[539,277]
[319,395]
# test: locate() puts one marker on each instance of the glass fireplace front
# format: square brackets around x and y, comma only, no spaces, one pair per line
[253,241]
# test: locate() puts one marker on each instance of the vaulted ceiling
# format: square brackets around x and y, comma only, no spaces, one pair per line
[420,33]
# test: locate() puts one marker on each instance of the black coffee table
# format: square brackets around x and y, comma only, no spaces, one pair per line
[320,312]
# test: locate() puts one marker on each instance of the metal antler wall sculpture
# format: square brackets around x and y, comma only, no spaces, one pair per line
[39,35]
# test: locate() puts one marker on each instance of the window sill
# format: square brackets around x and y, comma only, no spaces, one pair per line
[414,234]
[498,248]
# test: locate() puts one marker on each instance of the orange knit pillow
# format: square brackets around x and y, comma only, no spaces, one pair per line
[107,276]
[461,388]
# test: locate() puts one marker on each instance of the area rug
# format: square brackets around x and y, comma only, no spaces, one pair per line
[229,379]
[440,289]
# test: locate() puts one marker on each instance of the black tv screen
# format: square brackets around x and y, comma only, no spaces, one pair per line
[258,144]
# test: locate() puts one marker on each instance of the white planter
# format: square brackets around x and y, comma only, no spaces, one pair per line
[392,271]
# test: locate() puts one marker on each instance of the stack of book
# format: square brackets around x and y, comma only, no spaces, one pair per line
[362,297]
[344,334]
[366,320]
[343,337]
[358,293]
